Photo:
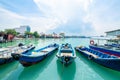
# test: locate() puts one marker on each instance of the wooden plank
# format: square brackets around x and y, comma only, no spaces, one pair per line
[66,54]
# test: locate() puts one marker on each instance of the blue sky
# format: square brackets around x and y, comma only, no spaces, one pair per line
[74,17]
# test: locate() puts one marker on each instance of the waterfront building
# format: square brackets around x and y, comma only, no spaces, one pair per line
[62,35]
[115,34]
[23,29]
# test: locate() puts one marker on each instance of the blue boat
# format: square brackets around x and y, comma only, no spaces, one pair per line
[106,60]
[66,54]
[113,45]
[111,50]
[33,57]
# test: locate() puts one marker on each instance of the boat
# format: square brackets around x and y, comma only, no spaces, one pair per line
[66,54]
[106,49]
[113,45]
[6,53]
[21,49]
[30,58]
[106,60]
[5,56]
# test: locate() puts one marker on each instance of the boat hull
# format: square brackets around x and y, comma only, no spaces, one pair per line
[6,60]
[66,54]
[28,61]
[66,60]
[107,51]
[17,55]
[106,62]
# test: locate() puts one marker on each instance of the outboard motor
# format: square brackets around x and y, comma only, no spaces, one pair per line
[67,59]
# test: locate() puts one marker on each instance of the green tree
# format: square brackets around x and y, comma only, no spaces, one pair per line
[11,31]
[27,33]
[36,35]
[2,33]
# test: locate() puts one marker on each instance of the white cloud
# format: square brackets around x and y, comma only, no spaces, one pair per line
[97,16]
[102,17]
[55,12]
[10,19]
[63,10]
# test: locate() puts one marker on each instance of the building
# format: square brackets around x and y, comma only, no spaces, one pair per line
[62,35]
[23,29]
[115,35]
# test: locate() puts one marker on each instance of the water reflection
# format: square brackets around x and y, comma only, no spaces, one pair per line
[66,72]
[105,73]
[7,68]
[32,72]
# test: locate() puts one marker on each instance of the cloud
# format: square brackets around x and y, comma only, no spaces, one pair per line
[83,17]
[11,20]
[61,9]
[69,14]
[104,16]
[56,15]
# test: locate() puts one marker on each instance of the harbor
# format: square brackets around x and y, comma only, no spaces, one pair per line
[52,68]
[59,40]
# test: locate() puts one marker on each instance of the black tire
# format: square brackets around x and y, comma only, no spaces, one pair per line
[20,44]
[16,56]
[90,57]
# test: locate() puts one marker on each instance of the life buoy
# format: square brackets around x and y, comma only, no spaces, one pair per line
[90,57]
[91,42]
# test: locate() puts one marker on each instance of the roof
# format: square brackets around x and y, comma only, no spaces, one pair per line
[112,31]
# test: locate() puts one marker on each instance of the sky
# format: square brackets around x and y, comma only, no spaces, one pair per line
[73,17]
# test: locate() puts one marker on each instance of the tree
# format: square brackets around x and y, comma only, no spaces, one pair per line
[2,33]
[36,35]
[11,31]
[27,33]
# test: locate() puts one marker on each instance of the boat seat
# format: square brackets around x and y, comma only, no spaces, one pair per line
[66,54]
[88,50]
[99,54]
[66,50]
[44,51]
[108,56]
[113,56]
[95,52]
[103,56]
[95,56]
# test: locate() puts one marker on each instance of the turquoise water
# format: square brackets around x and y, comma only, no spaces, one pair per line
[52,69]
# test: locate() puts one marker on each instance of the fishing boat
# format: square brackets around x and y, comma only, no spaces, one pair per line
[106,60]
[5,56]
[106,49]
[113,45]
[66,54]
[6,53]
[30,58]
[21,49]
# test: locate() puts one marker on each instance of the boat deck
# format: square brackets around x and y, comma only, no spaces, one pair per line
[44,51]
[95,56]
[5,55]
[66,54]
